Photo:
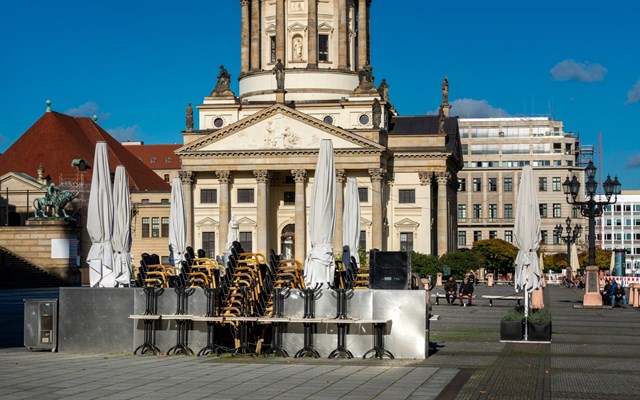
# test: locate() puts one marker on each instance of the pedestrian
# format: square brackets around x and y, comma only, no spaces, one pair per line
[450,289]
[466,290]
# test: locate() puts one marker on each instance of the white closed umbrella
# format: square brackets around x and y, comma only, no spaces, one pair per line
[177,224]
[575,261]
[319,265]
[527,238]
[612,264]
[121,238]
[351,224]
[100,221]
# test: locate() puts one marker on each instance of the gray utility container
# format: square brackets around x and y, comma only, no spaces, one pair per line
[41,324]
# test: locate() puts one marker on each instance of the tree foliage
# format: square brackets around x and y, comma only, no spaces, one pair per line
[462,262]
[498,254]
[425,264]
[603,258]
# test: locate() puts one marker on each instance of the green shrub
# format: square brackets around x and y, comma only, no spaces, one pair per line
[513,315]
[540,316]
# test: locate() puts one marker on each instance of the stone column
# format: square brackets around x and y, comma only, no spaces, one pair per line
[377,176]
[362,34]
[244,38]
[442,179]
[425,180]
[255,35]
[341,177]
[262,239]
[187,178]
[312,42]
[224,207]
[343,35]
[281,31]
[300,176]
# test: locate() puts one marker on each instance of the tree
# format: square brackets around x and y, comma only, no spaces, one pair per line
[498,254]
[462,262]
[603,258]
[425,264]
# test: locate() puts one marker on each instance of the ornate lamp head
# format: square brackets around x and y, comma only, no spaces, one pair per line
[608,187]
[590,170]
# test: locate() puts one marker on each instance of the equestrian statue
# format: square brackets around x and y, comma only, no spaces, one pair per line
[54,198]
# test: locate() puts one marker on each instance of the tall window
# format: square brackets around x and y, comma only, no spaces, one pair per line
[477,211]
[289,198]
[556,237]
[555,184]
[544,236]
[543,210]
[477,184]
[164,230]
[508,236]
[166,178]
[407,196]
[493,184]
[363,194]
[406,241]
[146,227]
[462,185]
[362,241]
[557,210]
[272,41]
[508,210]
[245,196]
[542,184]
[323,47]
[208,196]
[493,211]
[209,243]
[155,227]
[462,211]
[462,238]
[477,235]
[493,234]
[246,241]
[508,184]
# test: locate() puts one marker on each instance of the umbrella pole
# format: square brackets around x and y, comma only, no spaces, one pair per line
[526,315]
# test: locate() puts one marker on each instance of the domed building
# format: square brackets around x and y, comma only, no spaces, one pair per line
[306,76]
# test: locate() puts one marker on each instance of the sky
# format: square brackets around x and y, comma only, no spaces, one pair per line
[136,64]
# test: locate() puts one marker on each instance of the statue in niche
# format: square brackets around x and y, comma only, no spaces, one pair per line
[189,118]
[377,114]
[278,71]
[224,83]
[297,48]
[445,91]
[55,199]
[383,89]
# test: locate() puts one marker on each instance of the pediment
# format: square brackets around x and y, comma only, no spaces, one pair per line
[406,223]
[278,128]
[325,28]
[364,222]
[244,221]
[296,27]
[207,222]
[20,182]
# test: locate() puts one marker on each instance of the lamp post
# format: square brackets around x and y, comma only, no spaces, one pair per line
[573,233]
[591,208]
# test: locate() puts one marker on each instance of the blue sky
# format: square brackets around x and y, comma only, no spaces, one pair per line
[136,64]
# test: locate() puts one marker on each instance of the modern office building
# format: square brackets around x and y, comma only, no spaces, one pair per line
[494,151]
[619,228]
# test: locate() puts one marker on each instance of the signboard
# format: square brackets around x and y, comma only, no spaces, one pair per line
[446,271]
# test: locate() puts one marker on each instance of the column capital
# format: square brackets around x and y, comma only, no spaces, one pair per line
[299,175]
[245,3]
[442,178]
[377,174]
[187,177]
[262,175]
[223,176]
[341,175]
[425,178]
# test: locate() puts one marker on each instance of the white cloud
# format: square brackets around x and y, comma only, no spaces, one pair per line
[472,108]
[634,94]
[634,161]
[88,109]
[124,133]
[570,70]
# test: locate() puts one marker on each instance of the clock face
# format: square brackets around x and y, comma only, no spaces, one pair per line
[364,119]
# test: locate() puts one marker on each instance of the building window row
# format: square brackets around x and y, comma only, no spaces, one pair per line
[155,227]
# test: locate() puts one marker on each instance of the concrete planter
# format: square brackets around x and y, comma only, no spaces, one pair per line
[511,330]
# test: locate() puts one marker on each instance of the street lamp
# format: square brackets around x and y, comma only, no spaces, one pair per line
[591,208]
[573,233]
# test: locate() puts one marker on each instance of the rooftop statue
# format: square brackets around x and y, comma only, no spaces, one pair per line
[189,117]
[278,70]
[223,86]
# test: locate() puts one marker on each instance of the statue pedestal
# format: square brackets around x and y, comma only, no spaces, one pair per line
[280,95]
[592,297]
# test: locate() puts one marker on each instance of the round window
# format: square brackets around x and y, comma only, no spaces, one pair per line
[364,119]
[328,120]
[218,122]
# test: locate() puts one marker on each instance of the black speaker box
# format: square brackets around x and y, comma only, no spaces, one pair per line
[389,270]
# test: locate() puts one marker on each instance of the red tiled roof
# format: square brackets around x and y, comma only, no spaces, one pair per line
[156,156]
[56,139]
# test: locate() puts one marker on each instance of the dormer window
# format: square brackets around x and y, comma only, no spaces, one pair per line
[153,160]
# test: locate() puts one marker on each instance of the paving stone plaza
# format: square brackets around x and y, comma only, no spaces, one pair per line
[594,354]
